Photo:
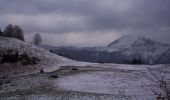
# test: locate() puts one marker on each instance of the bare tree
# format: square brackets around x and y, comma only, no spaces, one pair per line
[37,39]
[162,83]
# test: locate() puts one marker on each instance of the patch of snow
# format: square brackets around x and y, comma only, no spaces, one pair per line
[105,82]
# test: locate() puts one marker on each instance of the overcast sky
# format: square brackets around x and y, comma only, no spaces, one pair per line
[88,22]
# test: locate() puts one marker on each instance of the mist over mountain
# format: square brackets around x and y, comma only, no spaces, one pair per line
[126,49]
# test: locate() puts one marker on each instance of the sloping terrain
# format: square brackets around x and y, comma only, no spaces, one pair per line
[149,51]
[14,52]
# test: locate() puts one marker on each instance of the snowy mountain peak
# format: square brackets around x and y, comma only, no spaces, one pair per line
[132,41]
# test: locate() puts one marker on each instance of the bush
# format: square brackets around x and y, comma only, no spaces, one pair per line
[163,84]
[9,57]
[51,50]
[74,69]
[59,54]
[14,57]
[136,61]
[101,62]
[41,70]
[54,76]
[26,60]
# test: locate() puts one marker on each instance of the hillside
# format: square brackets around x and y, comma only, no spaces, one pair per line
[18,57]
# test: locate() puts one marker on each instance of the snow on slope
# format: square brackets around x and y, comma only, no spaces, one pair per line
[129,41]
[124,42]
[133,46]
[48,61]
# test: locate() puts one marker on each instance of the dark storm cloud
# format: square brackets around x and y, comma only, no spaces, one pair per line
[47,6]
[107,14]
[88,16]
[143,14]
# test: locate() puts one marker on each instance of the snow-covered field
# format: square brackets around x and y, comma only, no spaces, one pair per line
[112,81]
[133,83]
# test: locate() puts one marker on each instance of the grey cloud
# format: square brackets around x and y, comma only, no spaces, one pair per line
[89,16]
[140,15]
[47,6]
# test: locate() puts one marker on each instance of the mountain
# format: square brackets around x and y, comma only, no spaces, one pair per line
[126,49]
[133,41]
[139,47]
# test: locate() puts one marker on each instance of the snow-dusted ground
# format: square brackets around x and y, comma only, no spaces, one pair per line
[128,78]
[96,81]
[104,82]
[92,81]
[48,61]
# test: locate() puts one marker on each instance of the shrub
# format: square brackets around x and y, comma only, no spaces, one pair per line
[74,69]
[51,50]
[59,54]
[162,82]
[14,57]
[136,61]
[54,76]
[101,62]
[41,70]
[9,57]
[26,60]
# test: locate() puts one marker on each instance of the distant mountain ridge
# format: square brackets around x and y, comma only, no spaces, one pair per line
[140,47]
[135,40]
[123,50]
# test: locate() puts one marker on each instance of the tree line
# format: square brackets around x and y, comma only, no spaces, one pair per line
[15,31]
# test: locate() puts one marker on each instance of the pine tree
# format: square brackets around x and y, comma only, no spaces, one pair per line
[18,33]
[13,31]
[9,31]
